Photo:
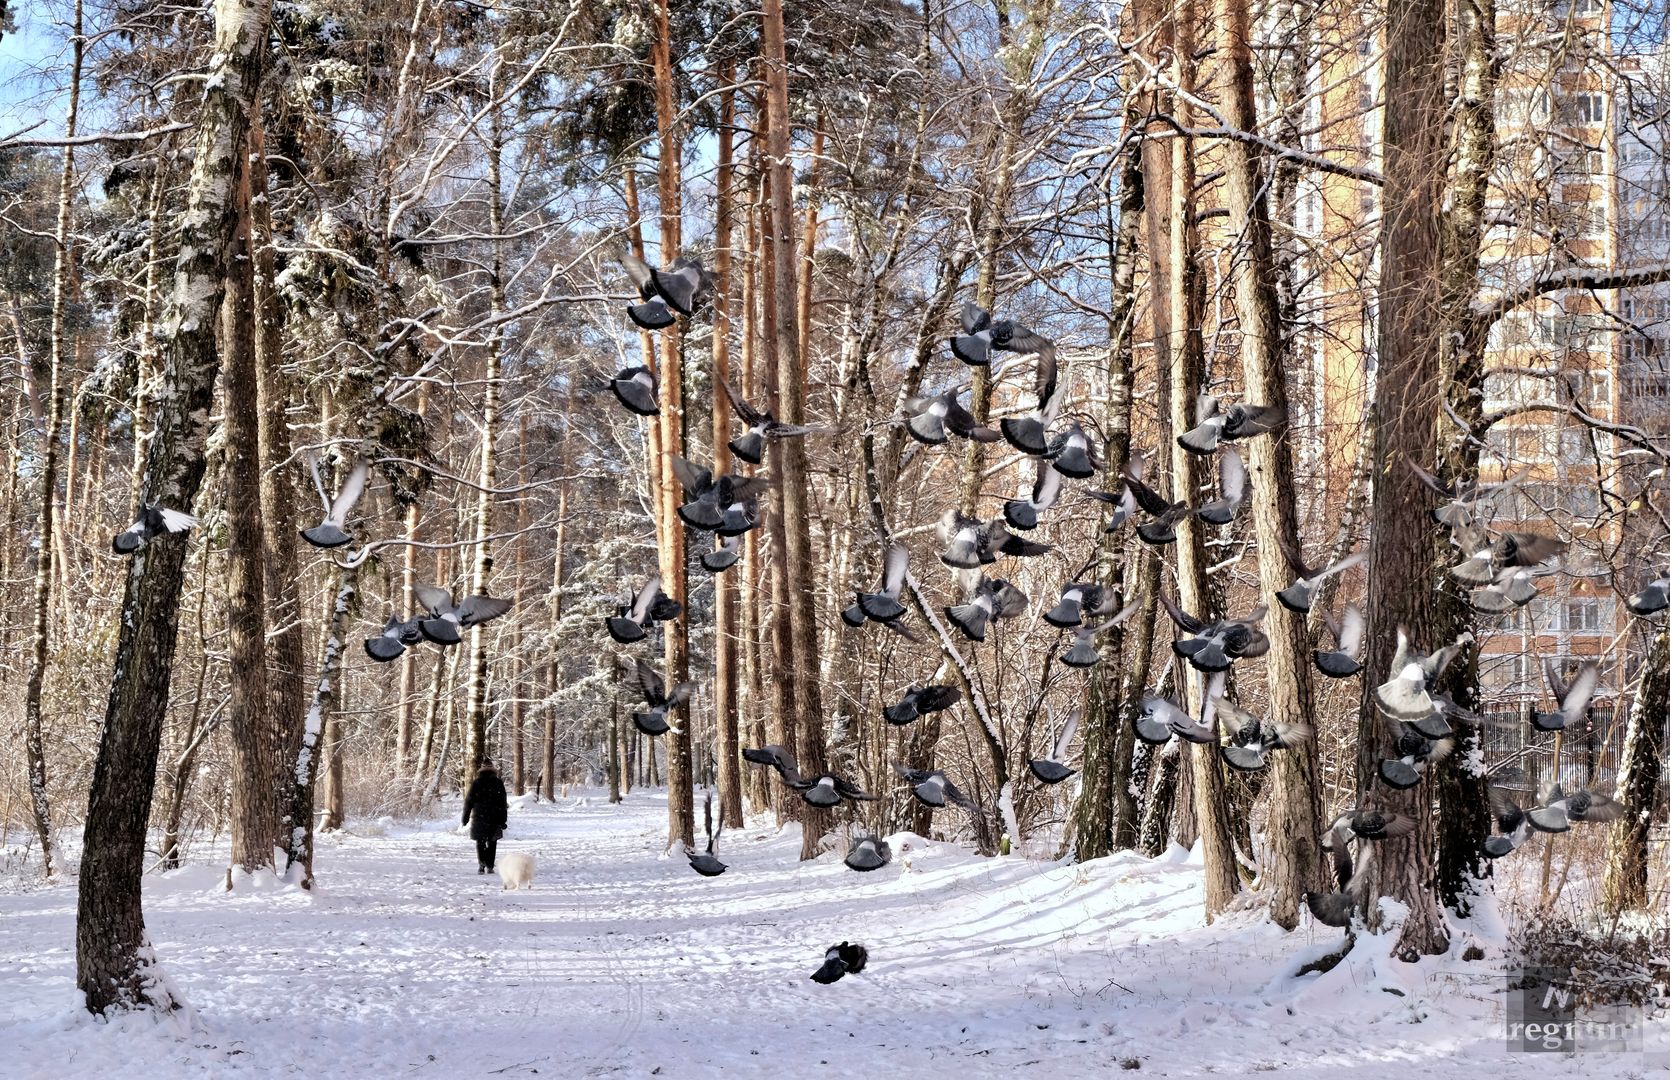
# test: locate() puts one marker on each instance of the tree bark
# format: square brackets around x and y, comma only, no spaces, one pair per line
[1639,766]
[115,968]
[303,778]
[725,681]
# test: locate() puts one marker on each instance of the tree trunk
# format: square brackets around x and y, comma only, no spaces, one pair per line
[304,771]
[724,585]
[1405,404]
[179,776]
[34,746]
[115,968]
[1627,853]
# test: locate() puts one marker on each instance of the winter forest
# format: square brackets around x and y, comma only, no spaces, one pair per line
[696,538]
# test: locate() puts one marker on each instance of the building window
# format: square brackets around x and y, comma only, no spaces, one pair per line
[1584,109]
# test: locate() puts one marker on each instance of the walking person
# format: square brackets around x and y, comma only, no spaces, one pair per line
[489,807]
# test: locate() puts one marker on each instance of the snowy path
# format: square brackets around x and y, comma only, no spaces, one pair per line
[621,962]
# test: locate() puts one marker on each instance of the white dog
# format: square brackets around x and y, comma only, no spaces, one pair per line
[516,870]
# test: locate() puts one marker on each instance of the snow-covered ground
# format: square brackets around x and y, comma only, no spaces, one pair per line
[623,962]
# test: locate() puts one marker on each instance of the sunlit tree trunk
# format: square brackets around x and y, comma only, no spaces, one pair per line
[1639,774]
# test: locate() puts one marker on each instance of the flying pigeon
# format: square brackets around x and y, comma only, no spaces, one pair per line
[1405,695]
[1023,513]
[1559,810]
[1341,661]
[720,504]
[724,556]
[654,313]
[1028,433]
[778,758]
[636,389]
[1232,490]
[883,604]
[706,863]
[1514,587]
[1461,505]
[1214,646]
[330,533]
[1072,454]
[1164,514]
[1083,652]
[927,419]
[1573,698]
[153,521]
[1487,559]
[1511,820]
[920,701]
[1334,908]
[1412,755]
[1369,824]
[750,447]
[1124,500]
[1247,739]
[827,789]
[683,288]
[981,335]
[446,618]
[1302,593]
[839,960]
[1653,597]
[649,605]
[868,853]
[1161,718]
[1080,599]
[1213,424]
[970,542]
[395,639]
[653,687]
[932,788]
[990,600]
[1053,769]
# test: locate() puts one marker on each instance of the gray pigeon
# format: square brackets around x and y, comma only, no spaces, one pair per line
[1053,769]
[1487,559]
[635,388]
[1652,598]
[920,701]
[716,504]
[724,556]
[778,758]
[1160,718]
[1028,433]
[1412,756]
[842,959]
[682,287]
[1559,810]
[653,313]
[883,605]
[928,419]
[396,638]
[649,605]
[706,863]
[1405,695]
[1023,513]
[750,446]
[1247,740]
[1515,826]
[1370,824]
[653,687]
[1213,646]
[1302,593]
[1124,500]
[981,335]
[1083,652]
[827,789]
[1573,697]
[332,531]
[1232,490]
[153,521]
[932,788]
[1072,454]
[990,600]
[868,853]
[1341,661]
[446,618]
[970,542]
[1213,424]
[1462,504]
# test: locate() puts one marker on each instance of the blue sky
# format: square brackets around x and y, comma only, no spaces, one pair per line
[38,44]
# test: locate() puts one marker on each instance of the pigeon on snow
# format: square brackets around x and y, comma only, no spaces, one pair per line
[868,853]
[839,960]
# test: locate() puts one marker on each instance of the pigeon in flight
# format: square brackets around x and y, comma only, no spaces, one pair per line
[932,788]
[990,600]
[1514,587]
[654,313]
[927,419]
[1369,824]
[920,701]
[650,605]
[1412,756]
[1124,500]
[1028,433]
[1512,822]
[1573,697]
[395,639]
[681,288]
[868,853]
[724,556]
[1053,769]
[1300,595]
[330,532]
[650,684]
[1079,600]
[1164,515]
[827,789]
[750,446]
[1486,560]
[1072,454]
[153,521]
[839,960]
[883,604]
[719,504]
[446,618]
[970,542]
[1559,811]
[1161,718]
[1653,597]
[1214,646]
[1023,513]
[635,388]
[1083,652]
[1462,503]
[1341,661]
[1406,694]
[777,758]
[1334,908]
[1232,491]
[706,863]
[981,335]
[1248,739]
[1213,424]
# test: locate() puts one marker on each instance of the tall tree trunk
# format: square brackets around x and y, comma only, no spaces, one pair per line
[1405,413]
[408,659]
[1627,852]
[34,746]
[553,670]
[724,585]
[1294,859]
[180,773]
[255,744]
[115,967]
[302,782]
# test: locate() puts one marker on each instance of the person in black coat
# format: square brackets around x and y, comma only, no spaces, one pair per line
[489,808]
